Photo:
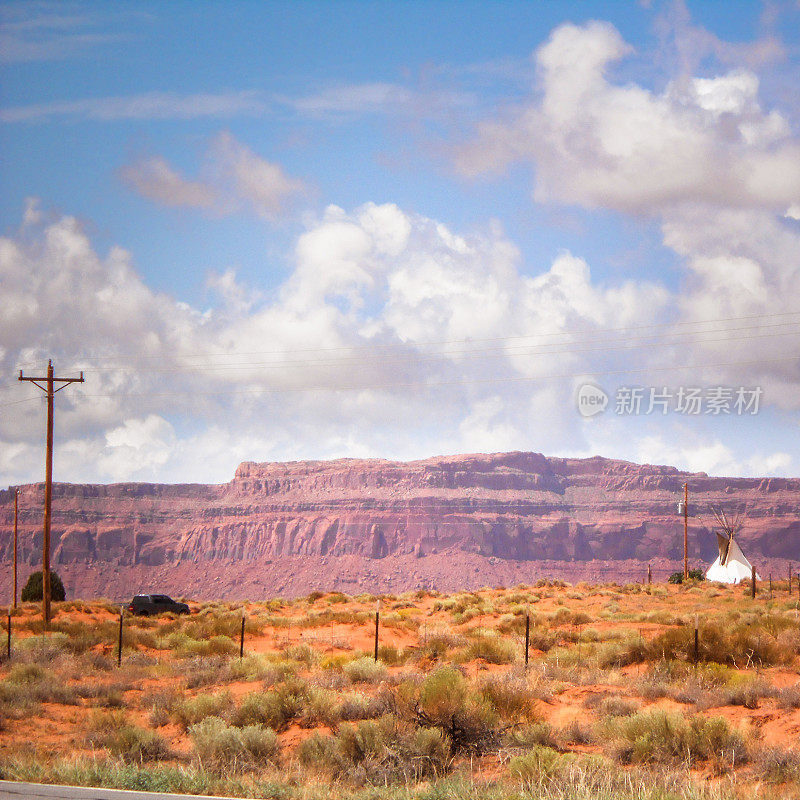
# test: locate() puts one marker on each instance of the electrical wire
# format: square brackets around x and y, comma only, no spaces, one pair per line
[369,347]
[424,384]
[504,352]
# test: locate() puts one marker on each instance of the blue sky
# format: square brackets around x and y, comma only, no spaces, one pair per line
[273,231]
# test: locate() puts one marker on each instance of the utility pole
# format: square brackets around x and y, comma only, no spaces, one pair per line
[16,515]
[48,389]
[685,531]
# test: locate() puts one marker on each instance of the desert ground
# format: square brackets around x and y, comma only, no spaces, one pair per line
[615,702]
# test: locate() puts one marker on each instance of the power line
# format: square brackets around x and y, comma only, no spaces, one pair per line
[457,382]
[587,373]
[589,332]
[413,358]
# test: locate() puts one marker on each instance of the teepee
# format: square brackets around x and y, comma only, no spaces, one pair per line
[731,565]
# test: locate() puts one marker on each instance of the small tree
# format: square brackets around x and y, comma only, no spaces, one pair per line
[33,588]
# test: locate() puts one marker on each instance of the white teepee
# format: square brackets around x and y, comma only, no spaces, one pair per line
[731,565]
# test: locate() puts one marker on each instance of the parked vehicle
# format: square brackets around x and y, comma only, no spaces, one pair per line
[147,604]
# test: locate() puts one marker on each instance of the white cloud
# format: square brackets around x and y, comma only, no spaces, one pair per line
[354,99]
[603,145]
[261,184]
[720,173]
[151,105]
[156,180]
[45,31]
[713,457]
[236,178]
[393,335]
[342,357]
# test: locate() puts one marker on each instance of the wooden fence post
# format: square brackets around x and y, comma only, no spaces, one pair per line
[649,575]
[527,633]
[119,643]
[753,582]
[696,640]
[377,625]
[8,642]
[241,641]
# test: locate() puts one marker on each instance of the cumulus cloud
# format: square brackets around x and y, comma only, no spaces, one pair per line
[393,335]
[235,178]
[602,145]
[348,357]
[702,156]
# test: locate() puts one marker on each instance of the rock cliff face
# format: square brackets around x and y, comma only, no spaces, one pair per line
[380,525]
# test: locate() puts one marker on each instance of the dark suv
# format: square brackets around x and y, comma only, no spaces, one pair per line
[147,604]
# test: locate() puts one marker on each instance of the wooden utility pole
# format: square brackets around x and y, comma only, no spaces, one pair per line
[685,531]
[16,516]
[48,389]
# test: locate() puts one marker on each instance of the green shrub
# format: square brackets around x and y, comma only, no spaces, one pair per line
[741,646]
[303,653]
[275,708]
[438,645]
[660,737]
[133,743]
[535,767]
[29,684]
[492,649]
[364,670]
[445,701]
[34,588]
[527,736]
[510,697]
[617,706]
[195,709]
[321,708]
[216,645]
[379,752]
[112,730]
[356,706]
[222,746]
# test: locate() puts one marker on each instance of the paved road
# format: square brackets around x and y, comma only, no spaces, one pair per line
[11,790]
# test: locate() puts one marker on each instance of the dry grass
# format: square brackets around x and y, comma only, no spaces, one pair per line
[614,703]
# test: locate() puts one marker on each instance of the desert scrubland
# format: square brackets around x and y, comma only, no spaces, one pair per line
[614,703]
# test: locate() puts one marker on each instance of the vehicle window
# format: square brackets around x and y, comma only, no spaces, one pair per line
[141,598]
[161,598]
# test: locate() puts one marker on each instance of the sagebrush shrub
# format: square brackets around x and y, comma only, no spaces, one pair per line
[364,670]
[275,708]
[222,746]
[195,709]
[535,767]
[379,751]
[445,701]
[659,737]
